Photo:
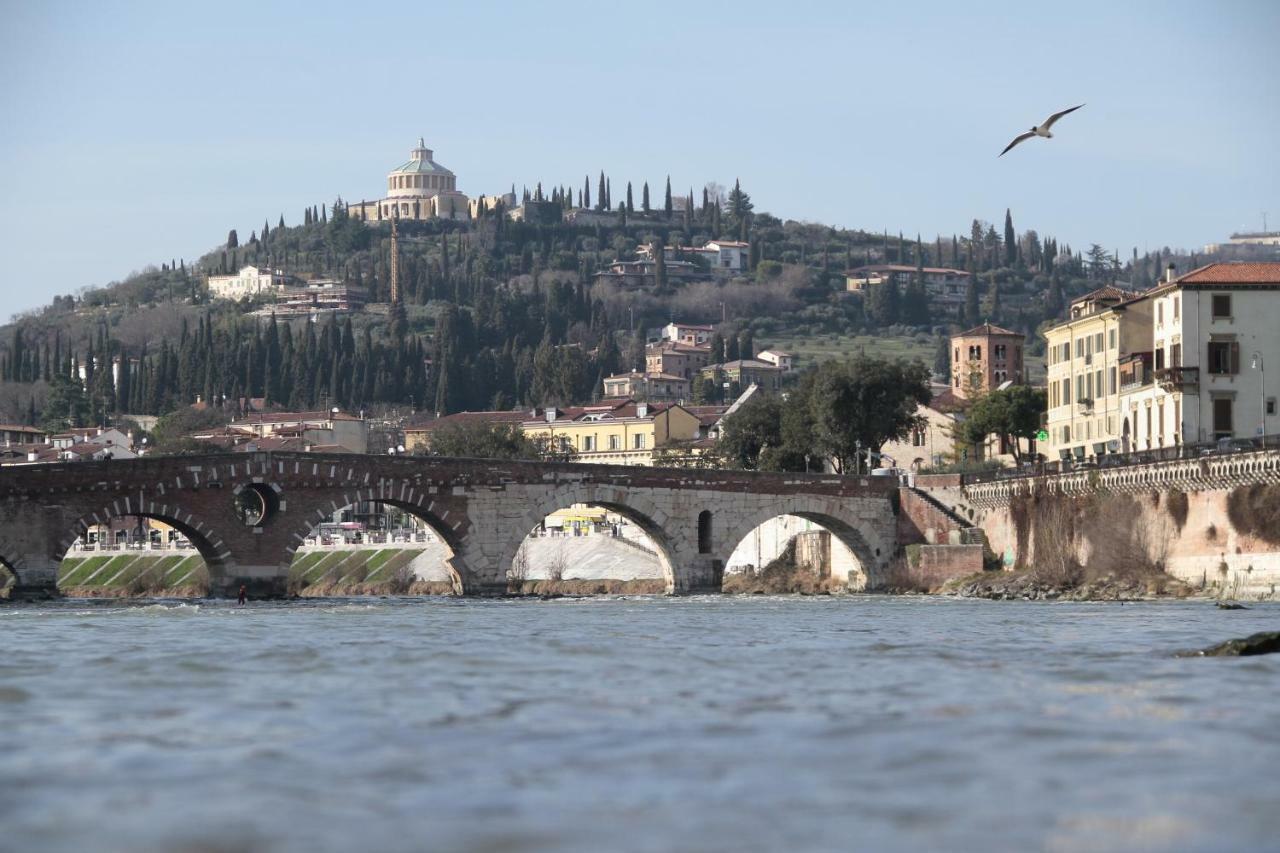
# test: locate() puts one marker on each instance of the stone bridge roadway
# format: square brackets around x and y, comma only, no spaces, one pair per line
[483,510]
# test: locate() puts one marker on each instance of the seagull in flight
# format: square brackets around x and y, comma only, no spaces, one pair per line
[1042,130]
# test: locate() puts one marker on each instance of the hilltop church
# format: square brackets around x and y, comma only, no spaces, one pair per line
[421,189]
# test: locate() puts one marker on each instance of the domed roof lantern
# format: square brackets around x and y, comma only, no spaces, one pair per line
[422,152]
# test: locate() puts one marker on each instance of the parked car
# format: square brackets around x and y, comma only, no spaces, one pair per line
[1233,445]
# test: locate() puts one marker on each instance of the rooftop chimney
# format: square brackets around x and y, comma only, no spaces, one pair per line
[1170,273]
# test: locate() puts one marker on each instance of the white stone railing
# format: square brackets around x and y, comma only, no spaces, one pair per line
[367,538]
[1187,475]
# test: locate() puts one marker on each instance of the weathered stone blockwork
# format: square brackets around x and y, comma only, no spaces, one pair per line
[482,509]
[1195,542]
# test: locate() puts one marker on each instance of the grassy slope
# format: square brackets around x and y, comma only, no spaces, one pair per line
[814,349]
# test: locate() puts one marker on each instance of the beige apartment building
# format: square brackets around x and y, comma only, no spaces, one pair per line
[675,358]
[1203,376]
[1182,363]
[1082,364]
[744,372]
[650,387]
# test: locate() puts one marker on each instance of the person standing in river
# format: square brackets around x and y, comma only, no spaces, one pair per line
[244,595]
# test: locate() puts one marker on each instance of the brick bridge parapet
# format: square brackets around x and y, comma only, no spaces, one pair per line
[482,509]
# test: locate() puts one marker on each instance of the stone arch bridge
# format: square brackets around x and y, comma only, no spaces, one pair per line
[482,509]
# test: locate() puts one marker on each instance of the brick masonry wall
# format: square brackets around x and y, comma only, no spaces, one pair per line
[934,565]
[921,522]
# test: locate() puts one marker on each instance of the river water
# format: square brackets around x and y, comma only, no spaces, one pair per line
[647,724]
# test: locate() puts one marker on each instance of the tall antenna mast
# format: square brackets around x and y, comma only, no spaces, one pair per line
[395,263]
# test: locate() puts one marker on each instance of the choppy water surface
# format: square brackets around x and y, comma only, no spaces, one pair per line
[644,724]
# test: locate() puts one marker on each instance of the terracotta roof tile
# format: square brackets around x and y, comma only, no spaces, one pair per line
[463,418]
[1234,272]
[989,329]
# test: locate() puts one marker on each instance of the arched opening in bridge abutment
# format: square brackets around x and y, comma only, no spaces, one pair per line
[587,541]
[801,549]
[155,554]
[377,546]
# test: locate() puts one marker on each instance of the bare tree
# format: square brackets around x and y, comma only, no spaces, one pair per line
[519,571]
[402,580]
[557,564]
[1056,558]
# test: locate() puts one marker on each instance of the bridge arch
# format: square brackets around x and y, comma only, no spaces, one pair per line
[443,523]
[634,507]
[201,536]
[846,526]
[204,538]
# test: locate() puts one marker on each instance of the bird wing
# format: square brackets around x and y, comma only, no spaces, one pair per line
[1016,140]
[1048,123]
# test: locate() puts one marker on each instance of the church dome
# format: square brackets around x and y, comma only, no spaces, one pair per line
[421,176]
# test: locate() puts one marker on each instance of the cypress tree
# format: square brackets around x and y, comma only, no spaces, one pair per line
[659,263]
[666,199]
[882,306]
[914,309]
[644,197]
[631,208]
[1053,302]
[971,307]
[1010,240]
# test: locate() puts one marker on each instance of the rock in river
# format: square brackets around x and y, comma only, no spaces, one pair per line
[1263,643]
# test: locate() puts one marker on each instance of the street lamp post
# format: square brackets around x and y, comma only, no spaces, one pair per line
[1262,393]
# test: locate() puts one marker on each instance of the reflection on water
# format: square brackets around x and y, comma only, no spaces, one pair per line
[635,724]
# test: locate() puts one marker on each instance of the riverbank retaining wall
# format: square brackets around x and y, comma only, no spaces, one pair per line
[1220,541]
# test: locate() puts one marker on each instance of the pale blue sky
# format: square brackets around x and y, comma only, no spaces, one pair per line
[137,132]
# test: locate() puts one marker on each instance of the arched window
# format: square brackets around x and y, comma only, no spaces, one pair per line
[704,532]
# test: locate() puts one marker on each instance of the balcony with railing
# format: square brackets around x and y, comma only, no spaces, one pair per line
[1135,370]
[1184,379]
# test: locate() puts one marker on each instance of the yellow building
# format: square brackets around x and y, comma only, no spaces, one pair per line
[616,432]
[1084,361]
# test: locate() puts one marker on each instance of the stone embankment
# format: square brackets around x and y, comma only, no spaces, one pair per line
[1028,586]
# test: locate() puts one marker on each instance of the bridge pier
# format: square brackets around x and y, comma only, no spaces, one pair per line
[259,582]
[702,576]
[34,583]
